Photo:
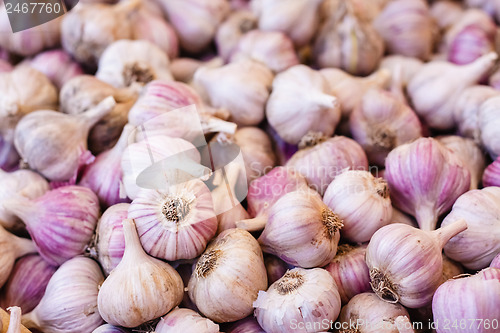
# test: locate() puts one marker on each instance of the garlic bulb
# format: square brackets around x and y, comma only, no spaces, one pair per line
[129,296]
[349,271]
[491,176]
[407,28]
[228,276]
[479,244]
[11,248]
[470,153]
[27,283]
[381,122]
[64,137]
[367,313]
[275,268]
[322,159]
[21,182]
[436,87]
[183,69]
[409,268]
[185,320]
[126,63]
[446,13]
[298,21]
[249,82]
[301,230]
[61,222]
[229,32]
[107,328]
[423,189]
[247,325]
[272,48]
[301,298]
[407,67]
[474,297]
[70,300]
[488,122]
[301,102]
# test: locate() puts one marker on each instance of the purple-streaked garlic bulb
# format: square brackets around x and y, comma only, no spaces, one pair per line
[11,248]
[425,178]
[489,122]
[491,175]
[406,66]
[446,13]
[361,201]
[301,230]
[27,283]
[300,102]
[230,32]
[140,288]
[408,268]
[9,158]
[436,87]
[110,240]
[61,222]
[228,276]
[321,159]
[247,325]
[185,320]
[70,300]
[480,243]
[301,298]
[469,298]
[496,262]
[349,271]
[107,328]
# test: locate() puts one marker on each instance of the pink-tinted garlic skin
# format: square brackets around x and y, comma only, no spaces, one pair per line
[9,157]
[57,65]
[496,262]
[275,268]
[469,44]
[491,175]
[27,282]
[5,66]
[247,325]
[151,27]
[107,328]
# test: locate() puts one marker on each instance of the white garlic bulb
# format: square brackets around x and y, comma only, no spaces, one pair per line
[229,32]
[488,123]
[185,320]
[406,66]
[228,276]
[140,288]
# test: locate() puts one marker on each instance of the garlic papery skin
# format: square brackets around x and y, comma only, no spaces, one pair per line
[249,82]
[446,81]
[425,178]
[27,283]
[491,175]
[361,201]
[480,243]
[65,140]
[323,159]
[185,320]
[349,271]
[488,122]
[15,320]
[470,154]
[247,325]
[126,63]
[409,268]
[230,32]
[496,262]
[407,28]
[228,276]
[26,183]
[301,230]
[61,222]
[107,328]
[407,67]
[70,300]
[11,248]
[301,102]
[298,21]
[272,48]
[381,122]
[446,13]
[110,240]
[305,297]
[474,297]
[140,288]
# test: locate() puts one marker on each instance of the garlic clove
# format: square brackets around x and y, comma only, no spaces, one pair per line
[185,320]
[230,32]
[488,126]
[491,176]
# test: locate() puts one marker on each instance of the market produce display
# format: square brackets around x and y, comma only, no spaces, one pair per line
[250,166]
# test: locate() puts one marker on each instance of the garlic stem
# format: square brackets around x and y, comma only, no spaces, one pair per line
[19,206]
[93,115]
[15,319]
[256,224]
[133,247]
[379,78]
[426,218]
[324,100]
[123,141]
[23,246]
[444,234]
[211,124]
[475,70]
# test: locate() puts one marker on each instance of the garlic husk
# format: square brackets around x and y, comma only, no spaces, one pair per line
[12,247]
[304,297]
[230,32]
[322,159]
[107,328]
[125,63]
[406,66]
[298,21]
[409,268]
[228,276]
[474,297]
[381,122]
[491,175]
[272,48]
[301,230]
[180,320]
[367,313]
[446,13]
[436,87]
[61,222]
[21,182]
[470,153]
[9,158]
[64,137]
[249,82]
[247,325]
[488,122]
[195,21]
[301,102]
[480,243]
[496,262]
[70,300]
[349,271]
[129,295]
[420,175]
[275,268]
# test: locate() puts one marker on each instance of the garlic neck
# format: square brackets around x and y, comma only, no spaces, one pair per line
[23,246]
[444,234]
[256,224]
[93,115]
[290,282]
[133,246]
[474,71]
[383,286]
[426,218]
